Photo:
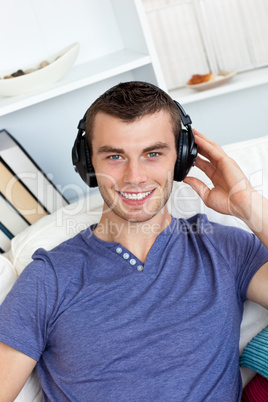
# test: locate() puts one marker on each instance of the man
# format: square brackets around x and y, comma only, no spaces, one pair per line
[140,307]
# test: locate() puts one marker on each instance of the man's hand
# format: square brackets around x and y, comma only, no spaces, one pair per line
[231,193]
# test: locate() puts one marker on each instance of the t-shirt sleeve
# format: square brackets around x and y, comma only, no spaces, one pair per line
[26,310]
[242,250]
[254,257]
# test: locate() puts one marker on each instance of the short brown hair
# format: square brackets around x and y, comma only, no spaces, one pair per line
[129,101]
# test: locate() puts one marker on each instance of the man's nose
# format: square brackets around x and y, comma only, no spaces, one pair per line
[135,173]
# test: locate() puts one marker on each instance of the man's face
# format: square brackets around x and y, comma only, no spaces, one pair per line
[134,164]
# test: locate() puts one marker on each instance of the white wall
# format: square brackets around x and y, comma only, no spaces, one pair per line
[232,117]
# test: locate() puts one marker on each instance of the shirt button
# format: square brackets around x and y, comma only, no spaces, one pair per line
[140,268]
[118,250]
[132,261]
[125,256]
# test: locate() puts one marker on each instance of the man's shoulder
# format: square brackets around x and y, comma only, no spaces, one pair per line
[197,224]
[201,225]
[67,251]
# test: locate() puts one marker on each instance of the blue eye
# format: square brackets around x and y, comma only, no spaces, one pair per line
[153,154]
[114,157]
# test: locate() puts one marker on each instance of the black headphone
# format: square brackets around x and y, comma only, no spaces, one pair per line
[186,151]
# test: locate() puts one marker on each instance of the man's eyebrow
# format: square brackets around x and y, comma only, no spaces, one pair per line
[109,149]
[155,147]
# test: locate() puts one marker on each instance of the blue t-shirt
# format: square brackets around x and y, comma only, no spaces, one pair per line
[106,327]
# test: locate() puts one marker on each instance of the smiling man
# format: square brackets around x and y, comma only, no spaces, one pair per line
[140,306]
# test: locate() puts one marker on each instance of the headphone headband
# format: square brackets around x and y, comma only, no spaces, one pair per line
[82,123]
[185,118]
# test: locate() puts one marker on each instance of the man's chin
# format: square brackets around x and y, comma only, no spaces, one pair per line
[137,216]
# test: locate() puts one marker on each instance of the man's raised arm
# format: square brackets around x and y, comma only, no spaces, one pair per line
[233,194]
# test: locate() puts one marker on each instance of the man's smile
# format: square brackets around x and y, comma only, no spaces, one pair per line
[135,196]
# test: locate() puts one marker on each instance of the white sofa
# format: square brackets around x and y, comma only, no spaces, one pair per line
[251,155]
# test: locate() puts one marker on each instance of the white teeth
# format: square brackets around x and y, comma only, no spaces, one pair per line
[138,196]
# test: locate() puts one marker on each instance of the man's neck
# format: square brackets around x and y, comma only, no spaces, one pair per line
[137,237]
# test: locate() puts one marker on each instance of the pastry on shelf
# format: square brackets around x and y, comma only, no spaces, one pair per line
[200,78]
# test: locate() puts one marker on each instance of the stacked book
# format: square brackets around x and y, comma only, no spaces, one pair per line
[26,193]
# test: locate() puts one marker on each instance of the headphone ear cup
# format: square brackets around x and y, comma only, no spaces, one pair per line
[83,163]
[181,165]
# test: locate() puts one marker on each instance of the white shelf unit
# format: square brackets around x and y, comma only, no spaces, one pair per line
[245,80]
[125,40]
[79,77]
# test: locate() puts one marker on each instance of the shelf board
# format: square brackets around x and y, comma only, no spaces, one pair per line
[79,76]
[238,82]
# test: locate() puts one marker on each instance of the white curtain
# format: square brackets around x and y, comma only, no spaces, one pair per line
[177,40]
[237,30]
[201,36]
